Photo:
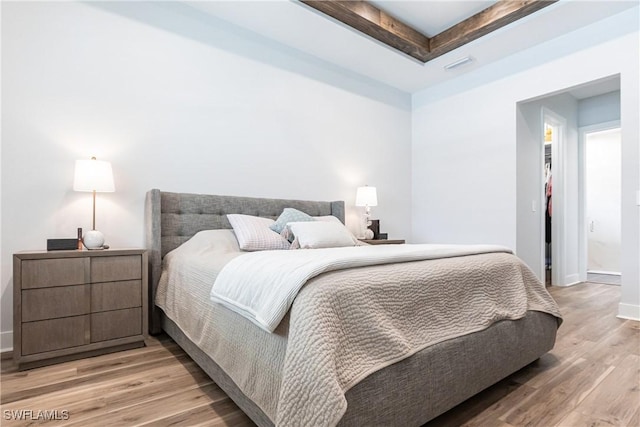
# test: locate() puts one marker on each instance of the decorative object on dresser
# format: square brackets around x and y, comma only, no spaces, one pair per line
[95,176]
[367,196]
[62,244]
[72,304]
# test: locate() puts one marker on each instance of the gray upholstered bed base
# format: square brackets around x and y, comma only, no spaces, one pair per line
[408,393]
[215,372]
[423,386]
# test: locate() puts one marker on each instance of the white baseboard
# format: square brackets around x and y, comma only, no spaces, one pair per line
[6,341]
[609,273]
[572,279]
[566,285]
[629,311]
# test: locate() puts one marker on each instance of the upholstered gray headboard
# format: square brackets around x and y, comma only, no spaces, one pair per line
[173,218]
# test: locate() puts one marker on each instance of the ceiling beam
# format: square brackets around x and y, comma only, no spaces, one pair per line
[496,16]
[368,19]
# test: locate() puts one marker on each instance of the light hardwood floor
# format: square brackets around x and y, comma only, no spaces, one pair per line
[590,378]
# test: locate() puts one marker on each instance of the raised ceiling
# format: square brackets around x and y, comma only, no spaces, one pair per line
[305,29]
[383,26]
[433,17]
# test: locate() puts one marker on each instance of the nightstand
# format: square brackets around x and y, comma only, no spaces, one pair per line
[382,242]
[74,304]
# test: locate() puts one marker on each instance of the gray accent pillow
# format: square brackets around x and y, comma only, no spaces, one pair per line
[289,215]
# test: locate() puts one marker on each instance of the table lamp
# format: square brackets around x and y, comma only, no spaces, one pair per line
[366,196]
[95,176]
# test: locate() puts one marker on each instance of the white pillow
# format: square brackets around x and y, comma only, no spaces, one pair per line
[329,218]
[253,233]
[289,235]
[320,234]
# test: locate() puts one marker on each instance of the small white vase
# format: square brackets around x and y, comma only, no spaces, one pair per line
[93,239]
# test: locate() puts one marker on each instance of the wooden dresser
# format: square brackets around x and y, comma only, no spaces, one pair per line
[72,304]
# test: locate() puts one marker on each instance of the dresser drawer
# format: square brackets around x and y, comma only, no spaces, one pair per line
[109,325]
[51,303]
[45,273]
[114,268]
[116,295]
[54,334]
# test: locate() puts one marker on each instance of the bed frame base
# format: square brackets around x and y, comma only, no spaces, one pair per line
[424,385]
[215,372]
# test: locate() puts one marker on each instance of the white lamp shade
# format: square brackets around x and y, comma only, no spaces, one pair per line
[93,175]
[366,196]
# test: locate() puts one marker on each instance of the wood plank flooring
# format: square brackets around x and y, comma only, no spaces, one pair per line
[590,378]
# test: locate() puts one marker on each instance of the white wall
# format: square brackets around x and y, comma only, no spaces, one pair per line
[181,102]
[602,200]
[599,109]
[464,139]
[530,203]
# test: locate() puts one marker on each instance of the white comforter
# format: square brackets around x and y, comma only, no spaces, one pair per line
[261,286]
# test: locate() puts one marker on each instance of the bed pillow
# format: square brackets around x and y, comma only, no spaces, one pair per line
[329,218]
[253,233]
[289,215]
[288,234]
[320,234]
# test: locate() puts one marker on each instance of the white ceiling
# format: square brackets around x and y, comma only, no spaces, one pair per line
[298,26]
[434,16]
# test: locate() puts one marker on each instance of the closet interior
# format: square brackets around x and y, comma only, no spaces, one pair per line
[548,191]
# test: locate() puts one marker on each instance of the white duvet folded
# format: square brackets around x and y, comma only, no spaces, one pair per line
[261,286]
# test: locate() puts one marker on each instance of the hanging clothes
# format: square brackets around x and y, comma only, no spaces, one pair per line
[548,210]
[549,193]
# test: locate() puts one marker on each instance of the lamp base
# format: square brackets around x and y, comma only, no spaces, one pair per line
[93,240]
[374,226]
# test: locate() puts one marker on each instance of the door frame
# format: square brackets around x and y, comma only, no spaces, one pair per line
[582,202]
[558,172]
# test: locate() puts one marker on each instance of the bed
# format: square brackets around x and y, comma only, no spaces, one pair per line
[408,390]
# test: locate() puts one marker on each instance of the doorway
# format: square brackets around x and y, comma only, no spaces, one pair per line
[569,111]
[601,203]
[549,134]
[553,196]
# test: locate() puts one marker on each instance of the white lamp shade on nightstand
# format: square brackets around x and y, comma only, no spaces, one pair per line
[93,175]
[366,196]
